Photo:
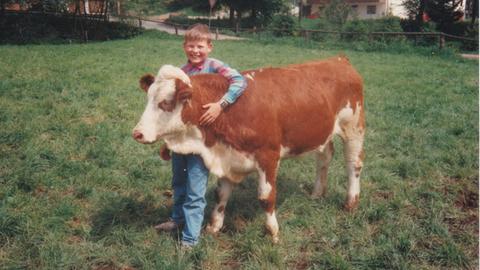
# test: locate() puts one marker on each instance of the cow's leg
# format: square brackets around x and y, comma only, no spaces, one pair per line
[222,193]
[324,156]
[267,173]
[353,153]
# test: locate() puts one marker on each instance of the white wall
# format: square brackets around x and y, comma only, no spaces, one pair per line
[397,9]
[384,8]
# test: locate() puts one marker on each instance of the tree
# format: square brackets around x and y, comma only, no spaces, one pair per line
[415,10]
[260,10]
[336,12]
[471,8]
[444,12]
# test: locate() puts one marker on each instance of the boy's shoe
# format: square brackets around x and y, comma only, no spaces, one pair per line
[185,246]
[167,226]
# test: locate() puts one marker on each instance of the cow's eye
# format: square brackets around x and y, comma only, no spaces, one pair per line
[166,105]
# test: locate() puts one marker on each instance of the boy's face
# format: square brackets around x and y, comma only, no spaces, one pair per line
[197,51]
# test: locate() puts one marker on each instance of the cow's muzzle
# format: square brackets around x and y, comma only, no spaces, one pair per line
[139,137]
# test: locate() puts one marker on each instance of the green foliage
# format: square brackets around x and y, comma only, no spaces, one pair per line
[387,24]
[444,12]
[337,11]
[260,12]
[178,5]
[45,28]
[142,7]
[413,8]
[283,25]
[91,194]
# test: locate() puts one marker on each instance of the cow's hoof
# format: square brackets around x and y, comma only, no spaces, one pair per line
[318,195]
[275,239]
[352,203]
[211,229]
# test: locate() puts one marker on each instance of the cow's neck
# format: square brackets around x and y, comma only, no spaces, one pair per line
[209,87]
[220,159]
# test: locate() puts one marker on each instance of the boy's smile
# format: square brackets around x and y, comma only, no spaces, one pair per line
[197,51]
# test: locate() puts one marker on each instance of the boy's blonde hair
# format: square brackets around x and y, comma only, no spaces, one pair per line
[198,32]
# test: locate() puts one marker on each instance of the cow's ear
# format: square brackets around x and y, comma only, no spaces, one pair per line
[146,81]
[184,91]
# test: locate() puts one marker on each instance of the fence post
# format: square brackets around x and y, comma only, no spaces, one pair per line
[216,33]
[139,22]
[306,35]
[441,41]
[176,29]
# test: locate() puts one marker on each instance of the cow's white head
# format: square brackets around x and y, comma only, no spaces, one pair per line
[167,93]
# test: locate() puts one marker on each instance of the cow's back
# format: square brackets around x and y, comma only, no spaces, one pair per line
[305,99]
[293,106]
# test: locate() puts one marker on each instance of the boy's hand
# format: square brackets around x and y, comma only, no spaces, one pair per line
[165,153]
[214,110]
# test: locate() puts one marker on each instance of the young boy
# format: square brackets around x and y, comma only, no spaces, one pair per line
[190,175]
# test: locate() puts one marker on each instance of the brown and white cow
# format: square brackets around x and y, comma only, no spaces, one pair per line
[284,112]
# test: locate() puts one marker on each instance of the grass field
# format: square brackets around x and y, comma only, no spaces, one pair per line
[77,192]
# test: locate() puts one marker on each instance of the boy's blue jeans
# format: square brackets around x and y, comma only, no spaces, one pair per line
[189,185]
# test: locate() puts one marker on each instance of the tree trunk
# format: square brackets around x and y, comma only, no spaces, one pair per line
[421,10]
[300,10]
[77,7]
[474,13]
[119,8]
[105,10]
[84,8]
[237,23]
[232,17]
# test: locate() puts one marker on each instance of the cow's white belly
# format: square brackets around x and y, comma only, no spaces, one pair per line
[220,159]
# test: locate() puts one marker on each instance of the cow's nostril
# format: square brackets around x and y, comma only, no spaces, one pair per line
[137,135]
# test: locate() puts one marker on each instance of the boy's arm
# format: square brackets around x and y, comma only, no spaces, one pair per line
[236,80]
[235,89]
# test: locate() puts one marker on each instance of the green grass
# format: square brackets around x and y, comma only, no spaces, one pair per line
[144,7]
[77,192]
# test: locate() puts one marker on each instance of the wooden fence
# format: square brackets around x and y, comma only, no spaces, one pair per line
[307,34]
[84,21]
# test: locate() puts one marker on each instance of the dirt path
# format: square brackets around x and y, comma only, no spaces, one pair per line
[470,56]
[159,24]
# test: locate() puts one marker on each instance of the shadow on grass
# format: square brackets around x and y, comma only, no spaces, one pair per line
[137,212]
[243,207]
[125,212]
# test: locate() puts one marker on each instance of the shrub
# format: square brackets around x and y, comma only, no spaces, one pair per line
[180,19]
[357,26]
[185,21]
[46,28]
[337,12]
[471,32]
[387,24]
[283,25]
